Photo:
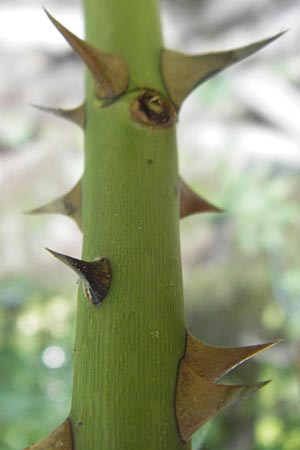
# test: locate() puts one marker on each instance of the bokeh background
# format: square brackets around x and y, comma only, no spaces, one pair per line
[239,141]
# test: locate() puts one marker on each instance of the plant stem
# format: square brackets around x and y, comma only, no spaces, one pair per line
[128,349]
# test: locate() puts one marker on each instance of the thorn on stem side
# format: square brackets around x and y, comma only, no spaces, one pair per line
[68,204]
[76,115]
[182,73]
[61,438]
[198,397]
[96,275]
[192,203]
[110,71]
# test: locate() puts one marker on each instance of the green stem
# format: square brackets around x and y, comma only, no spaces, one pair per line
[128,349]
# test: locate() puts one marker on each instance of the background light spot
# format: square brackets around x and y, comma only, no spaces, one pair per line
[53,357]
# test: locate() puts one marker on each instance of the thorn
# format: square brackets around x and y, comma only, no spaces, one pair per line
[182,73]
[110,71]
[60,438]
[212,362]
[198,400]
[75,115]
[191,203]
[68,204]
[95,275]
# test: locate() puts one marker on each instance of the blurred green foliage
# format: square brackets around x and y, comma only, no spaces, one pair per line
[34,390]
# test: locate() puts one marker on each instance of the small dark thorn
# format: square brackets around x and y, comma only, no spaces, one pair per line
[192,203]
[95,275]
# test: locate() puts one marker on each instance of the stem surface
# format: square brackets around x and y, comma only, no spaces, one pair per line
[128,349]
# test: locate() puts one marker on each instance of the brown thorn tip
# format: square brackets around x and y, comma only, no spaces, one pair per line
[68,204]
[249,389]
[96,275]
[262,384]
[192,203]
[212,363]
[75,115]
[110,71]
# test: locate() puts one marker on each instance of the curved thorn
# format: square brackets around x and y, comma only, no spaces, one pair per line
[68,204]
[95,275]
[60,438]
[110,71]
[198,400]
[192,203]
[182,73]
[212,362]
[75,115]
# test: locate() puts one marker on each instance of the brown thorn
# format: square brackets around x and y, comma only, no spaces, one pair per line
[198,400]
[75,115]
[61,438]
[212,362]
[109,71]
[68,204]
[192,203]
[182,73]
[95,275]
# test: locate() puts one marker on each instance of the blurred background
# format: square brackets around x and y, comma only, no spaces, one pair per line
[239,145]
